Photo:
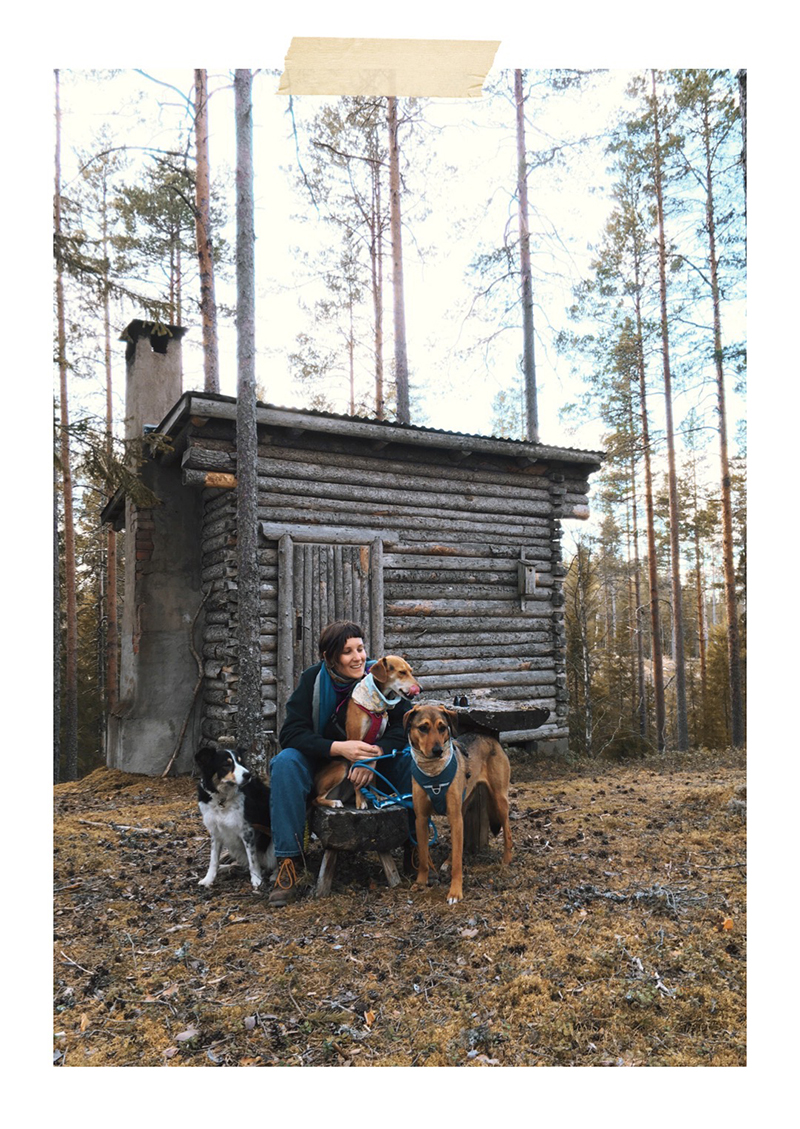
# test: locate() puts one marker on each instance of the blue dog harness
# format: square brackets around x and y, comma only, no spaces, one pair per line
[436,787]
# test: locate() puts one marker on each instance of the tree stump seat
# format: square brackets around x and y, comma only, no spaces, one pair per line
[348,829]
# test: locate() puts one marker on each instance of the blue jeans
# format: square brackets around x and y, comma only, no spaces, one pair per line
[291,782]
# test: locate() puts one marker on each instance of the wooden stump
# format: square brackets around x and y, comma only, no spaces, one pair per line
[347,829]
[476,821]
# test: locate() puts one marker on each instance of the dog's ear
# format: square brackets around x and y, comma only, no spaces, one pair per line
[205,756]
[452,720]
[407,717]
[379,671]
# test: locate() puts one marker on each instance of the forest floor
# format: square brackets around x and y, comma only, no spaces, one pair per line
[615,938]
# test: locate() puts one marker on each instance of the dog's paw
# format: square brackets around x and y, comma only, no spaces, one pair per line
[453,898]
[206,882]
[337,804]
[256,881]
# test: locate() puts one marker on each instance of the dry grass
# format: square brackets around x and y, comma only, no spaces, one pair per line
[616,937]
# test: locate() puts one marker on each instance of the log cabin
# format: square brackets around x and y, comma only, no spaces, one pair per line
[445,547]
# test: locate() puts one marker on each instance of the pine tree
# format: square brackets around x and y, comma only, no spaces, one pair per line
[70,576]
[248,632]
[203,228]
[710,114]
[682,738]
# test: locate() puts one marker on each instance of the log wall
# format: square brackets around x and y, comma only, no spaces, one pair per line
[453,532]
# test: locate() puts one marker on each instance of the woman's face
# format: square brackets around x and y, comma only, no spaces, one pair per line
[353,659]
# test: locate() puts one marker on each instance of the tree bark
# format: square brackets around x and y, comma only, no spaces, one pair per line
[528,357]
[742,79]
[682,738]
[400,346]
[376,272]
[734,646]
[56,635]
[112,624]
[208,305]
[71,647]
[249,690]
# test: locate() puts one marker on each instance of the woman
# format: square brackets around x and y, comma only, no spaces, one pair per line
[311,733]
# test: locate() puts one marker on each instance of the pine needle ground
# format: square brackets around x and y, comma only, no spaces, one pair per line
[617,937]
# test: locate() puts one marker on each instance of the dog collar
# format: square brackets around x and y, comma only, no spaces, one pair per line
[367,695]
[436,787]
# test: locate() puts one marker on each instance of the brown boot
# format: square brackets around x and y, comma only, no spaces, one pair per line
[287,883]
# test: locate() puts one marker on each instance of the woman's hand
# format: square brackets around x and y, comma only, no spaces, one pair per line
[361,776]
[355,750]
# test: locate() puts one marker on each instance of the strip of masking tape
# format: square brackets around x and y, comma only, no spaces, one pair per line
[411,68]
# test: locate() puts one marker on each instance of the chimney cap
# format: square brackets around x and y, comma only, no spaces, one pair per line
[139,328]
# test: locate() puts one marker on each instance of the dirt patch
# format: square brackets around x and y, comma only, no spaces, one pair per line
[615,938]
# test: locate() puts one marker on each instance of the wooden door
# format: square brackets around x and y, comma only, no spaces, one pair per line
[318,582]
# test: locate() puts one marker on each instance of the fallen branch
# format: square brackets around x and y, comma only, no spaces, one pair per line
[69,960]
[122,827]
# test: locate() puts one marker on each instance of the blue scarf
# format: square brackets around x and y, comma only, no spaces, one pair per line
[329,692]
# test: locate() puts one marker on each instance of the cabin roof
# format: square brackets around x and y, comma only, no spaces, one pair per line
[214,405]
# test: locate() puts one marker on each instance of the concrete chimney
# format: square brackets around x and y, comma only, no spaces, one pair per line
[153,373]
[162,574]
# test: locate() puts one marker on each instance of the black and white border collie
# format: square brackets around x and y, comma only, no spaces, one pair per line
[234,805]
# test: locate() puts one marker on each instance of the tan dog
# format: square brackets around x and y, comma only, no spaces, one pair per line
[384,685]
[477,759]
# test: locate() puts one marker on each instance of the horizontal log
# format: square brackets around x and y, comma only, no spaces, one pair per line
[497,699]
[458,666]
[480,608]
[484,627]
[277,509]
[475,564]
[546,733]
[459,593]
[323,534]
[382,478]
[210,479]
[409,498]
[434,464]
[487,679]
[471,648]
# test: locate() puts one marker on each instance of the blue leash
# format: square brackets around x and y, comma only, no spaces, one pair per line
[380,799]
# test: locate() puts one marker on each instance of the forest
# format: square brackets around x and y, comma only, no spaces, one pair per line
[562,260]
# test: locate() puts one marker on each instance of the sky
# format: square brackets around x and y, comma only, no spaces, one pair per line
[453,382]
[449,389]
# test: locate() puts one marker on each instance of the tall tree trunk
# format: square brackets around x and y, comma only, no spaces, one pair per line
[701,619]
[376,274]
[400,347]
[638,626]
[734,646]
[682,740]
[208,304]
[528,357]
[249,689]
[351,350]
[71,646]
[652,560]
[742,79]
[112,624]
[56,634]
